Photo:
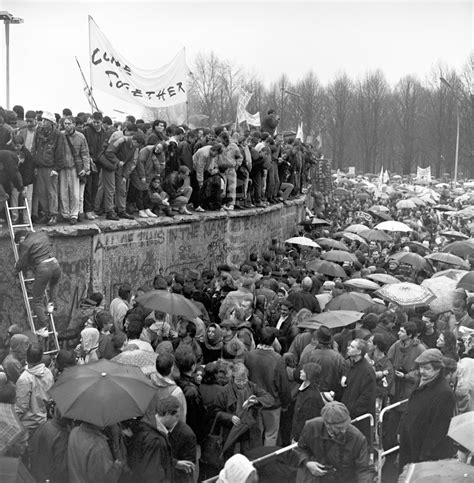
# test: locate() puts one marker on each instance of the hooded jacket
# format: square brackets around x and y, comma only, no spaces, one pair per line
[14,363]
[48,149]
[32,394]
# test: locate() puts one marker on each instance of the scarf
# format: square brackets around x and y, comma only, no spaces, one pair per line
[216,343]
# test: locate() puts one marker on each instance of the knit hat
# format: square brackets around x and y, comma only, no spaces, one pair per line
[324,335]
[237,469]
[430,355]
[235,348]
[335,413]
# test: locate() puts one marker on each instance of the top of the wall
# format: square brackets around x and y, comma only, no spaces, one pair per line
[101,225]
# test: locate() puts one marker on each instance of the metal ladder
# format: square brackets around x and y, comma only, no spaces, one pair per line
[51,343]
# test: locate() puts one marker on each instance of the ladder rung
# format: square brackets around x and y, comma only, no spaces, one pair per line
[28,280]
[13,208]
[30,298]
[24,225]
[52,351]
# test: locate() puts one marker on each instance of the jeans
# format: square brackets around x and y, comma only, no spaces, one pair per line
[69,193]
[183,198]
[46,188]
[271,424]
[91,187]
[45,273]
[108,184]
[231,177]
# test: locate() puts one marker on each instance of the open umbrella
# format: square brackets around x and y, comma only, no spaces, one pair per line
[341,192]
[320,221]
[330,243]
[375,235]
[102,393]
[406,205]
[384,278]
[467,282]
[362,283]
[382,215]
[327,268]
[339,256]
[379,208]
[350,301]
[362,196]
[448,259]
[440,471]
[453,273]
[456,235]
[393,226]
[461,429]
[406,294]
[413,259]
[352,236]
[303,241]
[418,247]
[168,302]
[443,288]
[357,228]
[337,318]
[145,360]
[460,248]
[444,208]
[418,201]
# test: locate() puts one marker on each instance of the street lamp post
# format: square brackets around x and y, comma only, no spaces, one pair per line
[8,19]
[456,158]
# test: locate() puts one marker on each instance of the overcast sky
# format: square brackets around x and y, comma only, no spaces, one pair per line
[268,38]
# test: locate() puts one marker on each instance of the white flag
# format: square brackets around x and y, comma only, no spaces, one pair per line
[244,99]
[252,119]
[112,73]
[299,132]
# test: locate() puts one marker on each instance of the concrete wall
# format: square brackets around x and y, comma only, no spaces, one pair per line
[100,256]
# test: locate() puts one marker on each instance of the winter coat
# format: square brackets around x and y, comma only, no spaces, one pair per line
[49,452]
[33,250]
[26,166]
[149,455]
[308,405]
[148,166]
[48,149]
[424,426]
[359,395]
[403,360]
[32,395]
[183,447]
[89,456]
[226,407]
[9,171]
[95,142]
[267,370]
[350,457]
[203,163]
[331,362]
[79,156]
[195,417]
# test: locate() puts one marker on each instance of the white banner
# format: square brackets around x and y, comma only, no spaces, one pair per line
[423,173]
[113,74]
[252,119]
[351,171]
[299,132]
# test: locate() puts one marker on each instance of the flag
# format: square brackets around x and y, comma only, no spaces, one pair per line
[319,138]
[252,119]
[386,177]
[299,132]
[112,73]
[244,98]
[423,174]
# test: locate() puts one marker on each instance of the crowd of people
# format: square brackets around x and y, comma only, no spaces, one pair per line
[75,168]
[257,369]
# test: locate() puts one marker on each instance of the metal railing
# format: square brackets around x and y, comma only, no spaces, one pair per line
[381,452]
[294,445]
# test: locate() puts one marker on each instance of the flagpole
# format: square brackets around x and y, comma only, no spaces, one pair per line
[92,102]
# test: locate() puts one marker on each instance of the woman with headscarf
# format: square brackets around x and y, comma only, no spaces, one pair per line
[15,361]
[87,350]
[212,346]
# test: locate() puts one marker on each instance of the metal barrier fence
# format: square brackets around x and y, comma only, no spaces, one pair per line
[381,453]
[294,445]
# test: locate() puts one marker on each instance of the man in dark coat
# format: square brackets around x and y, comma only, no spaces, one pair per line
[267,370]
[331,446]
[425,424]
[181,438]
[48,455]
[149,451]
[9,174]
[361,385]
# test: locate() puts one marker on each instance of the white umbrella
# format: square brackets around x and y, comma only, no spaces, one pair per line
[443,288]
[393,226]
[302,240]
[406,294]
